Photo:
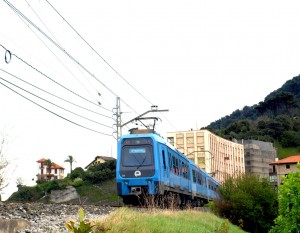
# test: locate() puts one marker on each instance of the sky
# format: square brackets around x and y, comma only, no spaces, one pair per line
[200,60]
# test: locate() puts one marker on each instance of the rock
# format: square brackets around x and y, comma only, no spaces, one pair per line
[68,194]
[13,225]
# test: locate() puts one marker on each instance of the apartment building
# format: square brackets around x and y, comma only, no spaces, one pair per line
[258,156]
[219,157]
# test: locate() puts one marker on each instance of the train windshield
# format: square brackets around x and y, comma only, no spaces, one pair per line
[137,152]
[137,156]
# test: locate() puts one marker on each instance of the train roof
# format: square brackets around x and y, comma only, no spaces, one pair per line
[145,133]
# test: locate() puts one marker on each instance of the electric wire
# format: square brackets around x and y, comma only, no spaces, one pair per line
[99,54]
[71,57]
[31,66]
[91,47]
[57,56]
[54,112]
[62,49]
[57,105]
[55,95]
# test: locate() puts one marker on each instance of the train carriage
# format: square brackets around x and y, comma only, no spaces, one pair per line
[149,166]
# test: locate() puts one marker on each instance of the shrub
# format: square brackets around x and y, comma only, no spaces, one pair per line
[77,182]
[25,194]
[249,200]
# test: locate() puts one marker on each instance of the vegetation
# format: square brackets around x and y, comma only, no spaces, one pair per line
[70,160]
[288,220]
[129,220]
[94,185]
[276,119]
[79,227]
[26,193]
[3,166]
[248,202]
[49,164]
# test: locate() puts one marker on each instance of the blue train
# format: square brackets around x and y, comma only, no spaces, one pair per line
[148,166]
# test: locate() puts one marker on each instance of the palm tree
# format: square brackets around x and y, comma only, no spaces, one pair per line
[49,164]
[70,160]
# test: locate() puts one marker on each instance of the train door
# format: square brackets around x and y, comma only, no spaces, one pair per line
[164,165]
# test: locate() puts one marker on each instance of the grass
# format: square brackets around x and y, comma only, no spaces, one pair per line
[283,152]
[129,220]
[106,192]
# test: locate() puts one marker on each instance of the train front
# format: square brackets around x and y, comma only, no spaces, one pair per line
[135,171]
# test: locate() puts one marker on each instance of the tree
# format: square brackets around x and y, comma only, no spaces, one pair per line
[49,164]
[70,160]
[248,202]
[3,166]
[288,220]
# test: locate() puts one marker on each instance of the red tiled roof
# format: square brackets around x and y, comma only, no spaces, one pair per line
[41,160]
[291,159]
[56,166]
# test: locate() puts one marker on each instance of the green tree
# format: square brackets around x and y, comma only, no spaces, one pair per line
[249,202]
[49,164]
[70,160]
[288,220]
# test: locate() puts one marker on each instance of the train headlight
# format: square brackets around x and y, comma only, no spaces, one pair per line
[126,183]
[149,182]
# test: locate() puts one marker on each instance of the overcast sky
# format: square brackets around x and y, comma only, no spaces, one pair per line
[201,60]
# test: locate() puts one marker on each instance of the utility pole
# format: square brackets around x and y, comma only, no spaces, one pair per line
[117,114]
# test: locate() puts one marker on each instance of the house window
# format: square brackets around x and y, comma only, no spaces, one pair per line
[171,140]
[55,171]
[287,166]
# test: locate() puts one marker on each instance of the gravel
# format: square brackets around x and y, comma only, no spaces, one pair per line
[48,217]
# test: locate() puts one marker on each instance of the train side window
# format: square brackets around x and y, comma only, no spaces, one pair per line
[174,164]
[164,160]
[194,175]
[197,177]
[177,167]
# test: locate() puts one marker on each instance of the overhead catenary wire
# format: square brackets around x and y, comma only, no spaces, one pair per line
[62,49]
[57,105]
[55,95]
[34,68]
[62,63]
[106,62]
[91,47]
[22,16]
[55,113]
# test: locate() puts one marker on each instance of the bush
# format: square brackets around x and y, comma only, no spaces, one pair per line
[25,194]
[248,200]
[77,182]
[77,172]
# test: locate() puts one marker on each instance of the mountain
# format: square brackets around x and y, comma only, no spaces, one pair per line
[276,119]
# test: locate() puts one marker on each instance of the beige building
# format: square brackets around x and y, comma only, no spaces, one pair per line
[282,167]
[217,156]
[98,160]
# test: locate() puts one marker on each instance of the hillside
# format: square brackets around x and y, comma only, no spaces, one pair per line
[276,119]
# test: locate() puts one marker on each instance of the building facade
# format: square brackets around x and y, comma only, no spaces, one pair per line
[219,157]
[258,156]
[49,173]
[99,159]
[282,167]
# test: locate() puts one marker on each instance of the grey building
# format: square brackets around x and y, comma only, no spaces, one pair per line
[258,156]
